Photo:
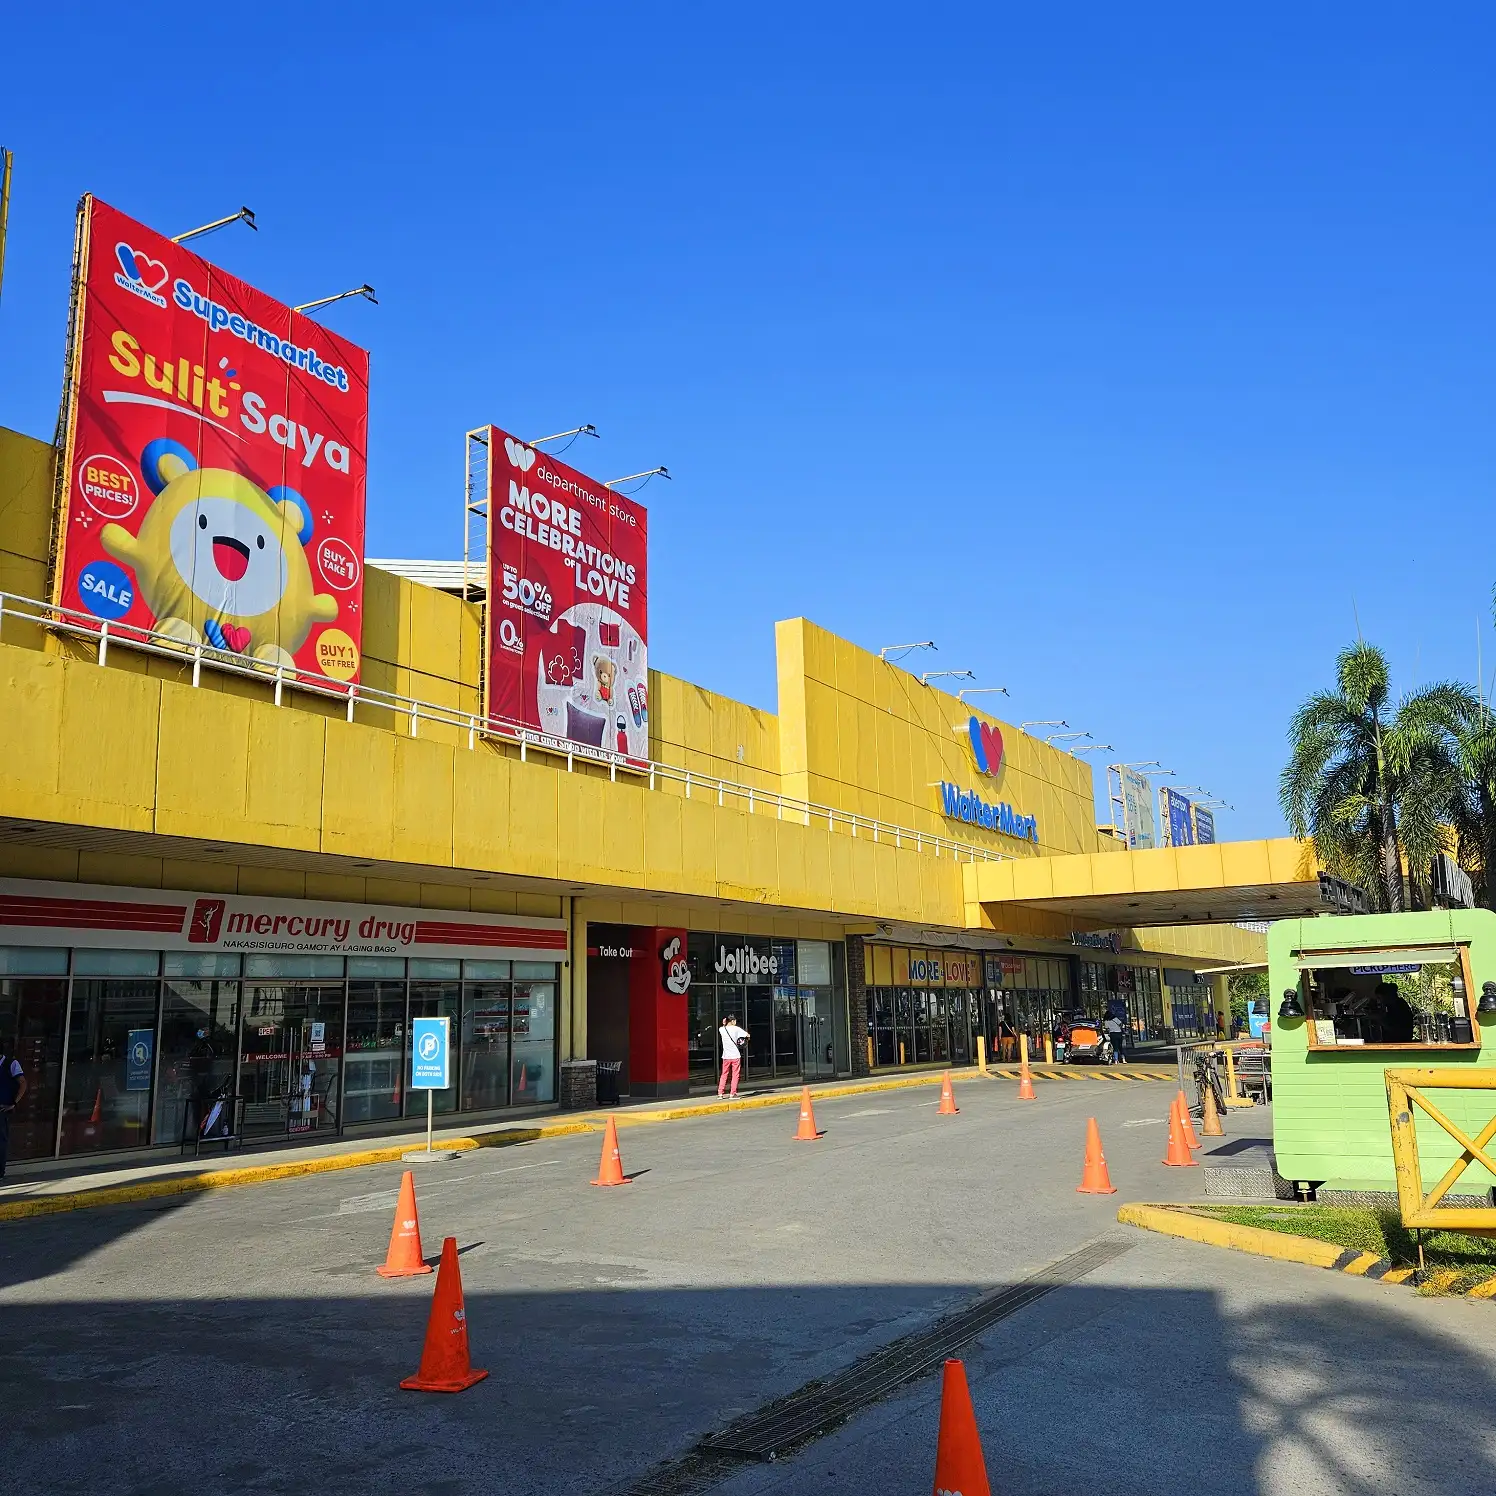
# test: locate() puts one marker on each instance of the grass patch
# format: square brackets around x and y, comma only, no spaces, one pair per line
[1363,1228]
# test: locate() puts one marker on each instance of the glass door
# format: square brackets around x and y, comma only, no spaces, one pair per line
[817,1038]
[291,1057]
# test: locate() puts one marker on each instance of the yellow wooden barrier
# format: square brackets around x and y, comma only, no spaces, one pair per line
[1405,1090]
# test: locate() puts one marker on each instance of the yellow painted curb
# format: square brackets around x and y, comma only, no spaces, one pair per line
[1183,1221]
[503,1137]
[294,1168]
[1172,1221]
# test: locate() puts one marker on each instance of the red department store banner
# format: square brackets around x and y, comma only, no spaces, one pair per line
[80,914]
[568,618]
[215,459]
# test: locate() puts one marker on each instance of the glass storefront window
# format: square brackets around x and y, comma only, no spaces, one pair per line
[435,1000]
[786,1031]
[110,1059]
[374,1063]
[32,1014]
[534,1036]
[485,1046]
[199,1045]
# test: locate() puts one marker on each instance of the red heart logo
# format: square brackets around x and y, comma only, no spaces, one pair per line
[236,637]
[152,272]
[992,742]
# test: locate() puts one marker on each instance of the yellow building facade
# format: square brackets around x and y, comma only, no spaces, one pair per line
[825,870]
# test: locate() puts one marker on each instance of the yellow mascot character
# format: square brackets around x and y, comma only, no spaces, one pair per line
[220,561]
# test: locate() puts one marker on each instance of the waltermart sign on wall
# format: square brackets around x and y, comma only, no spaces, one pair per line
[568,611]
[214,460]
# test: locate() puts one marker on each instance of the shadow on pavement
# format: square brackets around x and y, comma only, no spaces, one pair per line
[1092,1390]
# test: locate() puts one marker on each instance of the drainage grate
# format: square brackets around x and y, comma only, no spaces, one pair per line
[816,1408]
[804,1415]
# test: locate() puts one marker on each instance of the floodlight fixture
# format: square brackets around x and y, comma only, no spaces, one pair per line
[1065,737]
[930,675]
[981,691]
[1091,748]
[1057,722]
[656,472]
[366,291]
[904,649]
[588,430]
[1152,765]
[245,215]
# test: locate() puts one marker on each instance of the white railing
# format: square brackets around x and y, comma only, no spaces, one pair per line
[413,712]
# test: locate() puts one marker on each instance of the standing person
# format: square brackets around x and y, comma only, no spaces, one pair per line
[12,1093]
[1113,1026]
[732,1038]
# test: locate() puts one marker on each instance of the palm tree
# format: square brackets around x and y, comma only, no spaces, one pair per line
[1474,819]
[1369,783]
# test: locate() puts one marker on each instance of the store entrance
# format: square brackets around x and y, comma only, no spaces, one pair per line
[817,1041]
[291,1054]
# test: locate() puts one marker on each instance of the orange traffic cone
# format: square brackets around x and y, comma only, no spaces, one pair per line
[1178,1156]
[445,1366]
[1026,1084]
[610,1170]
[807,1131]
[1210,1118]
[1094,1180]
[98,1111]
[1186,1122]
[960,1469]
[947,1107]
[404,1259]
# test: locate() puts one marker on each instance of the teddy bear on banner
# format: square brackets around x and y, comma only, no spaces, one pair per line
[220,561]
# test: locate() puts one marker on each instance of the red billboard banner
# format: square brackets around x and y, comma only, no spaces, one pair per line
[568,618]
[216,445]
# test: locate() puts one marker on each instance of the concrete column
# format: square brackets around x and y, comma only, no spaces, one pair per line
[857,1002]
[574,1031]
[1220,998]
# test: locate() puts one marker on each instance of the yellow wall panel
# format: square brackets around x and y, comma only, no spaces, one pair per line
[358,792]
[480,809]
[534,837]
[284,775]
[111,772]
[421,818]
[203,765]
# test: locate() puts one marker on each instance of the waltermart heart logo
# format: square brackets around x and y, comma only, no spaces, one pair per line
[986,747]
[520,455]
[141,268]
[236,637]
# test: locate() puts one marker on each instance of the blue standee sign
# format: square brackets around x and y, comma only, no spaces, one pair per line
[430,1054]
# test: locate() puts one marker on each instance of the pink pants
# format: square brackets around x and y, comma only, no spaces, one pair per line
[733,1068]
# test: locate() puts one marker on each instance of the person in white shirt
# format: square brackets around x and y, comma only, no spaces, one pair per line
[733,1038]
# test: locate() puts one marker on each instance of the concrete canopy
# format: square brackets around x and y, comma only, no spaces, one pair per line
[1223,883]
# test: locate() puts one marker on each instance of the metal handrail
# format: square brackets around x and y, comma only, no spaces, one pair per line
[78,623]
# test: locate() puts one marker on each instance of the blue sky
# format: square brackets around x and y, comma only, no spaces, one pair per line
[1130,357]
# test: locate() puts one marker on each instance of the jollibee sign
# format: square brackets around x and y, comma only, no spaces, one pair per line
[568,620]
[215,460]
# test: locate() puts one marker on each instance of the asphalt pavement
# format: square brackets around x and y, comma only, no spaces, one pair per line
[241,1341]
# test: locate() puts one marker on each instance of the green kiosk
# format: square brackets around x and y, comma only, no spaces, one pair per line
[1357,996]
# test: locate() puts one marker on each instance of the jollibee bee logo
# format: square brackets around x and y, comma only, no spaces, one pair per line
[520,455]
[986,747]
[142,275]
[677,972]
